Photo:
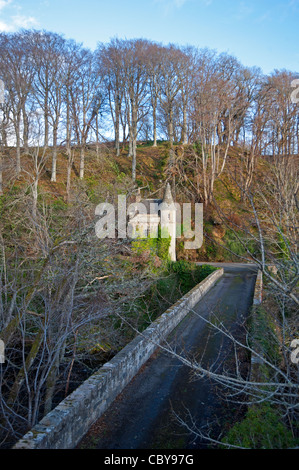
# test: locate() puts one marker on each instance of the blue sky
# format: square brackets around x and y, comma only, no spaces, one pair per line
[258,32]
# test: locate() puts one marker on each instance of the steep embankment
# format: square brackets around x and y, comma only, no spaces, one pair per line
[106,176]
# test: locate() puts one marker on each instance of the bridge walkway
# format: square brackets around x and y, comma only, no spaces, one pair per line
[143,415]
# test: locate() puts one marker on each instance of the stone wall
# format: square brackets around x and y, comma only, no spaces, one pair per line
[66,425]
[258,291]
[256,360]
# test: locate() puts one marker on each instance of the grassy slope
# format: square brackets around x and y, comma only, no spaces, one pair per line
[107,175]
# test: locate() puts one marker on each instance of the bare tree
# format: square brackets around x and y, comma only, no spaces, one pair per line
[85,100]
[173,63]
[17,72]
[49,60]
[110,63]
[155,65]
[136,89]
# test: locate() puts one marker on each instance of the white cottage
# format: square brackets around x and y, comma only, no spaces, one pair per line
[146,216]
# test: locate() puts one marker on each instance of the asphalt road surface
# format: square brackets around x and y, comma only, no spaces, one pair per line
[144,416]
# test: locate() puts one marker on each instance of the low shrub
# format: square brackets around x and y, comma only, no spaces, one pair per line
[262,428]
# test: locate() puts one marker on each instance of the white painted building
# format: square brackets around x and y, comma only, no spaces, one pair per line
[146,216]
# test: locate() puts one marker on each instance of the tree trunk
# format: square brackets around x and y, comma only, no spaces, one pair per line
[82,160]
[133,138]
[68,151]
[46,118]
[1,173]
[54,165]
[23,372]
[4,134]
[97,137]
[50,386]
[155,126]
[184,129]
[25,130]
[18,149]
[54,157]
[134,159]
[170,127]
[35,196]
[117,124]
[69,174]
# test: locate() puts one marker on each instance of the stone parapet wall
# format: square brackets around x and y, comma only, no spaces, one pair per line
[256,360]
[66,425]
[258,291]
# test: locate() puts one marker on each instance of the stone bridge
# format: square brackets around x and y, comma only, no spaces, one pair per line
[142,387]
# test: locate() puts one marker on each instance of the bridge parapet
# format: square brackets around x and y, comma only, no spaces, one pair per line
[66,425]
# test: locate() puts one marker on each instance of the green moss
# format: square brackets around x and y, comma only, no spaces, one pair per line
[59,205]
[236,243]
[263,335]
[190,274]
[262,428]
[174,281]
[154,246]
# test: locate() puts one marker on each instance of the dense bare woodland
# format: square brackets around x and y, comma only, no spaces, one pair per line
[219,124]
[58,92]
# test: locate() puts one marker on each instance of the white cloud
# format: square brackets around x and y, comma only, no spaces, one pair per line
[4,3]
[21,21]
[13,22]
[5,28]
